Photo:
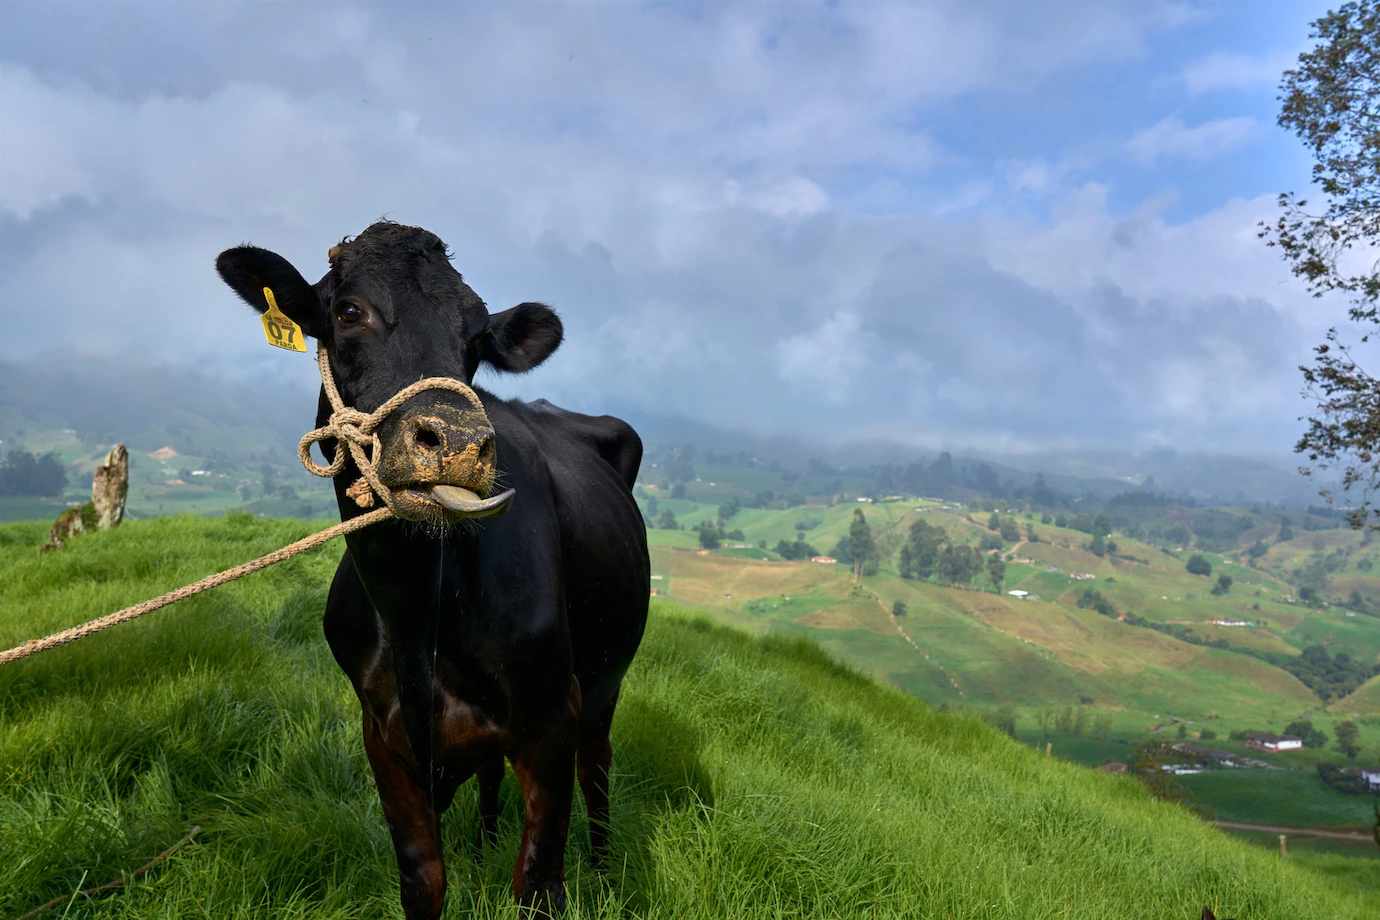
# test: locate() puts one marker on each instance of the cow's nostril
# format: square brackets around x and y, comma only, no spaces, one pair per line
[428,439]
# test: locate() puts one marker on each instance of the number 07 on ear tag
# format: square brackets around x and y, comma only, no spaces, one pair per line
[280,331]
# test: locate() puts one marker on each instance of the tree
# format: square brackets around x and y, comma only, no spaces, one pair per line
[728,509]
[919,555]
[994,522]
[709,536]
[1303,728]
[1004,718]
[1030,535]
[667,520]
[1348,738]
[1197,565]
[861,549]
[996,570]
[959,564]
[1098,546]
[1224,583]
[1010,531]
[898,609]
[24,474]
[1258,549]
[1331,101]
[1286,533]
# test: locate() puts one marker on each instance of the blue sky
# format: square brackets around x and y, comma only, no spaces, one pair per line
[999,224]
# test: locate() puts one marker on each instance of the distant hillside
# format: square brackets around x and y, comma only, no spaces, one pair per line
[753,778]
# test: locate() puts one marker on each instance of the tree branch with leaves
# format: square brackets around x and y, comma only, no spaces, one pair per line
[1331,100]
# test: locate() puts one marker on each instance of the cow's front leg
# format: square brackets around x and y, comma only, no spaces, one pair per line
[413,825]
[544,761]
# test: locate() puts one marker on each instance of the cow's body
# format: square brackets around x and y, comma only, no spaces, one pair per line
[471,641]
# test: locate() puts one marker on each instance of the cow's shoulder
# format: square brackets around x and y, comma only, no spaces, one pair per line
[611,438]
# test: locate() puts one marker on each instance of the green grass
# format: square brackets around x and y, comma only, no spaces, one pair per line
[1292,798]
[752,777]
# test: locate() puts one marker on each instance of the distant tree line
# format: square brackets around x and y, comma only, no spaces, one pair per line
[22,473]
[1328,676]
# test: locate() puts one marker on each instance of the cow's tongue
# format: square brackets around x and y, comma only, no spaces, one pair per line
[463,501]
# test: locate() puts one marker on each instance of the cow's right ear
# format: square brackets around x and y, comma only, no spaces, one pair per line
[249,269]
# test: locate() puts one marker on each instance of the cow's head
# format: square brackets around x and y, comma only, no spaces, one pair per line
[391,311]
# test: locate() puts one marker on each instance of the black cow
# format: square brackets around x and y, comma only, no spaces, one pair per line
[470,641]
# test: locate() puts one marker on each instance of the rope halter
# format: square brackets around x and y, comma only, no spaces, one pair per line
[358,430]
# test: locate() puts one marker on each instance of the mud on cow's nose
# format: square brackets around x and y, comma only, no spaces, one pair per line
[435,453]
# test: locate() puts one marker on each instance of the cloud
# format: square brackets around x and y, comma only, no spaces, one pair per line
[723,202]
[1223,70]
[1171,139]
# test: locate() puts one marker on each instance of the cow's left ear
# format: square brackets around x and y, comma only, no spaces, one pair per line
[522,338]
[249,269]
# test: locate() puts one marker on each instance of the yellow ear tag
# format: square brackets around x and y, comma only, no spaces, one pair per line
[280,331]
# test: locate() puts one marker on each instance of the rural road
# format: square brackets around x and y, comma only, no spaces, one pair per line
[1349,836]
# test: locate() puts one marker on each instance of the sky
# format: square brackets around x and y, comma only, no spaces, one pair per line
[993,223]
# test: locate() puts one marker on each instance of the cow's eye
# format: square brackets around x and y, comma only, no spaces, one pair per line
[348,314]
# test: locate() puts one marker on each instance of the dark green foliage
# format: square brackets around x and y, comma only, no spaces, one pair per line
[996,571]
[1345,781]
[728,509]
[1197,565]
[959,564]
[1098,546]
[1330,678]
[1003,718]
[1091,599]
[919,555]
[994,522]
[1348,735]
[667,520]
[709,536]
[795,551]
[1218,530]
[1286,533]
[1030,532]
[1207,734]
[1258,549]
[1010,530]
[898,609]
[862,550]
[1312,736]
[1223,586]
[22,473]
[990,541]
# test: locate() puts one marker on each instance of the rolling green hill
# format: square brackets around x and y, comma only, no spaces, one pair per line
[754,777]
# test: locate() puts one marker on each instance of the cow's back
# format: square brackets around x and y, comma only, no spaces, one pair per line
[593,462]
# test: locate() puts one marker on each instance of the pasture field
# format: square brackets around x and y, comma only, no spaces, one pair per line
[1292,798]
[753,776]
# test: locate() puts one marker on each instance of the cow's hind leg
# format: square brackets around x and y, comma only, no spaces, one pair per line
[544,761]
[593,758]
[488,777]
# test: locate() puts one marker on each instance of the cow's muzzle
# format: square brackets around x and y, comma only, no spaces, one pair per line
[440,461]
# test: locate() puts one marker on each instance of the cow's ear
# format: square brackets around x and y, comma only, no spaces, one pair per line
[521,338]
[249,269]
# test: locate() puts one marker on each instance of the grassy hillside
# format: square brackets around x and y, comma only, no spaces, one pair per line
[754,777]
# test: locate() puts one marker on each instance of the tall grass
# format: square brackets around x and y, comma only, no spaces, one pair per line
[753,778]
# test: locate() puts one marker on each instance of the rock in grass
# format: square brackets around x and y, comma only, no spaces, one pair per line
[109,488]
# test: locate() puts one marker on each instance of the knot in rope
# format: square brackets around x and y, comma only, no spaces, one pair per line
[356,431]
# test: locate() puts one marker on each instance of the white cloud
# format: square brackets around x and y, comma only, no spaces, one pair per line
[824,360]
[677,185]
[1171,139]
[1224,70]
